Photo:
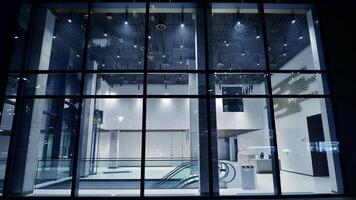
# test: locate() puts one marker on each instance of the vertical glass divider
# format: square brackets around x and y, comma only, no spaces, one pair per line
[77,147]
[144,104]
[274,153]
[212,142]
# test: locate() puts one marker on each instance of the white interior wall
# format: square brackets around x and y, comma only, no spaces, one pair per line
[254,142]
[253,117]
[292,130]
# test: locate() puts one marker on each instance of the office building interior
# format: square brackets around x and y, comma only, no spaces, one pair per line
[95,87]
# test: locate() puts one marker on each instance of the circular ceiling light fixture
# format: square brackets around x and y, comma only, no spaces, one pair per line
[161,27]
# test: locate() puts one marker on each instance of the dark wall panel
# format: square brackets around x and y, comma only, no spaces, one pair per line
[338,29]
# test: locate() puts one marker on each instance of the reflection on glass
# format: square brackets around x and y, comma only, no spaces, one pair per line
[238,84]
[244,146]
[43,147]
[12,83]
[175,84]
[172,147]
[307,148]
[172,37]
[58,38]
[236,37]
[51,84]
[292,39]
[111,147]
[116,38]
[114,84]
[298,83]
[6,117]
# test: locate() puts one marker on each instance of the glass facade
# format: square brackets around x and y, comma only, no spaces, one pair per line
[167,99]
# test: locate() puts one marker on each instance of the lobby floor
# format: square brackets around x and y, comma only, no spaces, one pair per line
[291,184]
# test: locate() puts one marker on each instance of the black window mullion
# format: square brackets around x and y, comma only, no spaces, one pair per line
[76,160]
[211,155]
[274,149]
[144,104]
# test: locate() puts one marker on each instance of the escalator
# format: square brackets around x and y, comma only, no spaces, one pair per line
[186,175]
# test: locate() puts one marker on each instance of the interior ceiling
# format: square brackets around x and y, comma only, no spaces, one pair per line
[116,45]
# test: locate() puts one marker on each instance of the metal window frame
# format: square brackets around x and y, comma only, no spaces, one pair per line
[145,71]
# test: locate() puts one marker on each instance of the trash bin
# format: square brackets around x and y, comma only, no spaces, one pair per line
[248,177]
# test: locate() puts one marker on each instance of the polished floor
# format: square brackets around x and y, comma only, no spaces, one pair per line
[291,184]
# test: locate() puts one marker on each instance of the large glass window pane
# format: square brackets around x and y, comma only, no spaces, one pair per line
[292,38]
[238,84]
[114,84]
[175,84]
[172,147]
[116,39]
[6,118]
[299,83]
[43,147]
[244,146]
[58,37]
[172,37]
[110,159]
[51,84]
[236,37]
[307,148]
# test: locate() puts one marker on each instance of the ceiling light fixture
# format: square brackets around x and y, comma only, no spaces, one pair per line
[285,41]
[106,30]
[220,64]
[257,33]
[70,18]
[257,61]
[161,25]
[126,16]
[284,51]
[118,53]
[54,36]
[182,18]
[139,60]
[181,43]
[238,19]
[163,52]
[293,17]
[108,16]
[226,42]
[180,77]
[180,59]
[243,51]
[300,35]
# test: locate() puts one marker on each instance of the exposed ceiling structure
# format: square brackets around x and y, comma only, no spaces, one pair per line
[116,41]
